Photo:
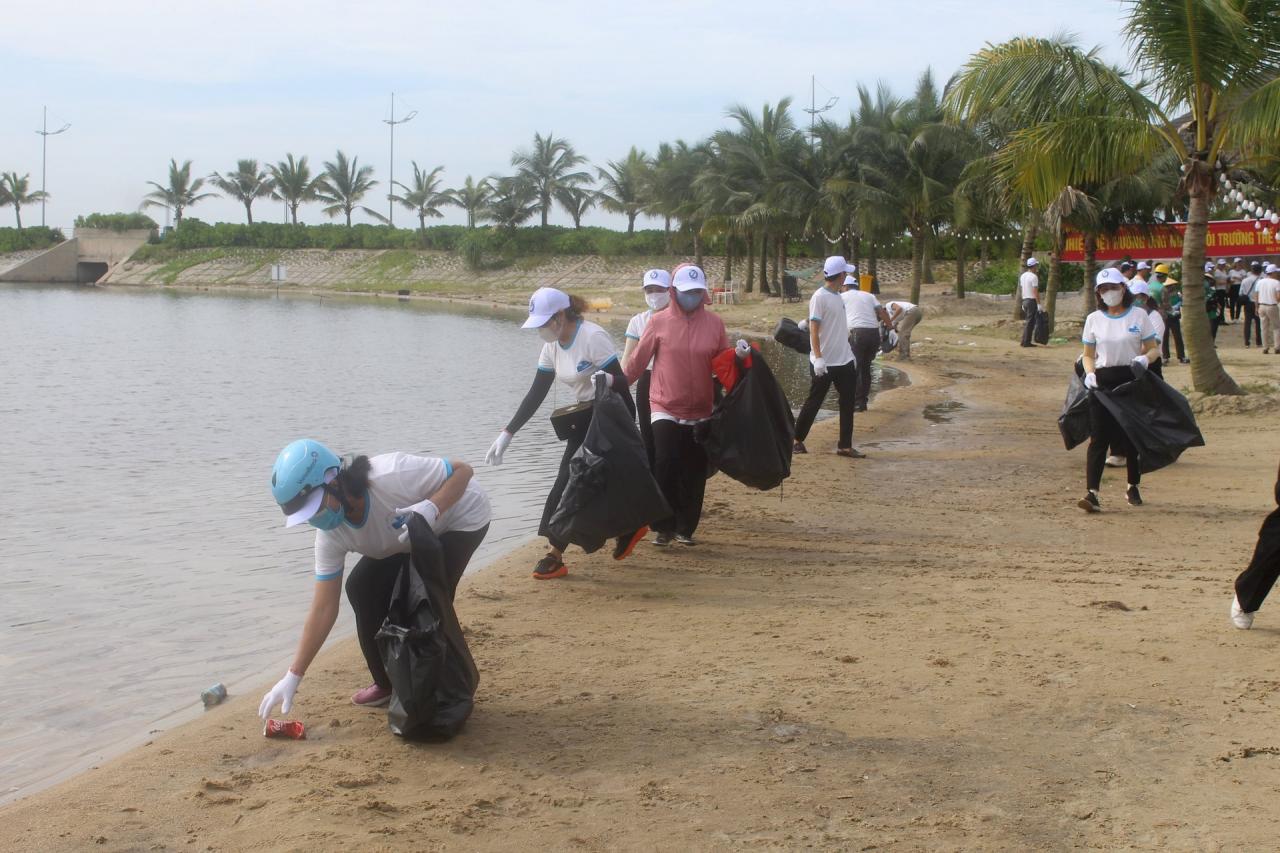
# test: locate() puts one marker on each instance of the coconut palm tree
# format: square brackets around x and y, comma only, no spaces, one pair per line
[425,197]
[512,203]
[181,193]
[293,183]
[246,184]
[342,184]
[16,191]
[1211,97]
[473,198]
[576,201]
[622,187]
[547,166]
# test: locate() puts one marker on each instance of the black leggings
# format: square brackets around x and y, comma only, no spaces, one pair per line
[845,378]
[1256,581]
[1251,321]
[1104,432]
[371,583]
[644,414]
[681,474]
[571,445]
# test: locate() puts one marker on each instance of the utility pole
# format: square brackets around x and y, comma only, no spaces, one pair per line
[45,133]
[814,110]
[391,169]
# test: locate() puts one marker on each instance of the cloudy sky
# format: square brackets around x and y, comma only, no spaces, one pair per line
[212,82]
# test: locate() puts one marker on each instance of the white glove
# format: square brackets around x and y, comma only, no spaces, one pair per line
[426,509]
[1139,365]
[499,447]
[603,376]
[819,366]
[742,350]
[281,694]
[1091,380]
[803,324]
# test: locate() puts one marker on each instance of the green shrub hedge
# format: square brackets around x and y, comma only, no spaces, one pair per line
[33,237]
[117,221]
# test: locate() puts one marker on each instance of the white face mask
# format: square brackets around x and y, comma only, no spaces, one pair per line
[658,301]
[549,332]
[1112,298]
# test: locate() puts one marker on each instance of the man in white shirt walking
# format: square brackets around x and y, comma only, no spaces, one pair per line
[1029,284]
[830,360]
[1267,291]
[864,317]
[1252,327]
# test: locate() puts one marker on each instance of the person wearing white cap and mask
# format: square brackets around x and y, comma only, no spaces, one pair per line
[1267,294]
[1029,285]
[573,351]
[1119,344]
[681,343]
[864,317]
[657,295]
[361,506]
[830,359]
[1235,276]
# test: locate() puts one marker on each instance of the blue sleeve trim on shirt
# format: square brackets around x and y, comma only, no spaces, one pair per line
[542,369]
[633,337]
[1090,343]
[330,576]
[1151,337]
[448,469]
[811,319]
[608,361]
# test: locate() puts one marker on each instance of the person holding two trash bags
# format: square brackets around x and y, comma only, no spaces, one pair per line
[1120,343]
[362,506]
[681,343]
[657,286]
[573,351]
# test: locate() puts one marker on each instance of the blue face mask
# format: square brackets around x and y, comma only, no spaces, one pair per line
[327,519]
[690,300]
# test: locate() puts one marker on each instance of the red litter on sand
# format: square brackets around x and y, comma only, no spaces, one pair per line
[285,728]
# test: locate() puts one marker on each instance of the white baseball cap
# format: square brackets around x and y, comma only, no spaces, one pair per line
[1272,268]
[657,278]
[1138,287]
[1238,261]
[312,506]
[1208,266]
[850,280]
[1110,275]
[689,278]
[1222,262]
[1031,262]
[851,269]
[834,265]
[1143,265]
[543,305]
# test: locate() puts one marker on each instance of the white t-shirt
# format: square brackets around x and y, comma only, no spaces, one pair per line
[635,328]
[1118,339]
[1247,284]
[903,306]
[591,349]
[1030,284]
[833,331]
[396,481]
[1220,279]
[859,310]
[1235,276]
[1157,323]
[1268,290]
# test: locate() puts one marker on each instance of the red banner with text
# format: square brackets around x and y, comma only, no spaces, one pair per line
[1233,238]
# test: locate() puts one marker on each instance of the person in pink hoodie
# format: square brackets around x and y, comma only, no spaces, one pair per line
[681,341]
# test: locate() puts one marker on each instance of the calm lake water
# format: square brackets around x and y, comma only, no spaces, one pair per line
[143,556]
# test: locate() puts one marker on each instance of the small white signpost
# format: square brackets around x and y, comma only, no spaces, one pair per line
[278,272]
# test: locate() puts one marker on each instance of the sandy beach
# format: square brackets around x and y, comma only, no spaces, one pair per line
[931,648]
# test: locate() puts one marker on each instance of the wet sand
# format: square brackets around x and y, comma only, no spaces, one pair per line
[928,649]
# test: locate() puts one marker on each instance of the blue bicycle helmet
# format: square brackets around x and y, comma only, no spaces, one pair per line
[298,478]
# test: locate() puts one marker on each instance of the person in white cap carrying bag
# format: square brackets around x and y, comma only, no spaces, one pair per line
[830,360]
[864,317]
[573,351]
[1267,294]
[657,295]
[1029,284]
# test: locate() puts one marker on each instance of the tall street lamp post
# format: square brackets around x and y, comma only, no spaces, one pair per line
[45,133]
[391,170]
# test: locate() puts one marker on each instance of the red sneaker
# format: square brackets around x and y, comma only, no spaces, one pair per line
[550,567]
[626,544]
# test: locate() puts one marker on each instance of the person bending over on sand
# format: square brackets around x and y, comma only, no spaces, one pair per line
[830,360]
[362,506]
[903,317]
[1256,581]
[573,350]
[657,286]
[1119,344]
[681,342]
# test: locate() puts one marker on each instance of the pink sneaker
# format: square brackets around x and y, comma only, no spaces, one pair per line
[372,696]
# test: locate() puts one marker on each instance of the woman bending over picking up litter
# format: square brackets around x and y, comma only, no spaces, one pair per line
[362,506]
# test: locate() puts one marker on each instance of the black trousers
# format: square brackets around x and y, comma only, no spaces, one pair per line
[1173,326]
[1215,323]
[866,345]
[845,378]
[571,445]
[1251,322]
[1256,581]
[681,472]
[1031,308]
[644,414]
[1104,432]
[1233,298]
[371,583]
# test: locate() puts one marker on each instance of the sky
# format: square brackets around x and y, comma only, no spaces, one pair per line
[215,82]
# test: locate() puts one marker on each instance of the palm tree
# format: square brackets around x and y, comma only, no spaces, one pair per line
[473,198]
[512,202]
[548,166]
[623,185]
[246,184]
[181,193]
[576,201]
[342,184]
[15,190]
[425,196]
[293,183]
[1212,98]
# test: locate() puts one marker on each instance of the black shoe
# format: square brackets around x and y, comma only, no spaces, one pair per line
[685,540]
[798,447]
[861,407]
[1089,503]
[662,540]
[550,567]
[626,544]
[851,453]
[1184,361]
[1133,496]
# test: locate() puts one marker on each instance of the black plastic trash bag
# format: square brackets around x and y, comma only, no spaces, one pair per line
[792,336]
[751,431]
[888,340]
[1156,418]
[1073,423]
[1040,332]
[433,676]
[611,491]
